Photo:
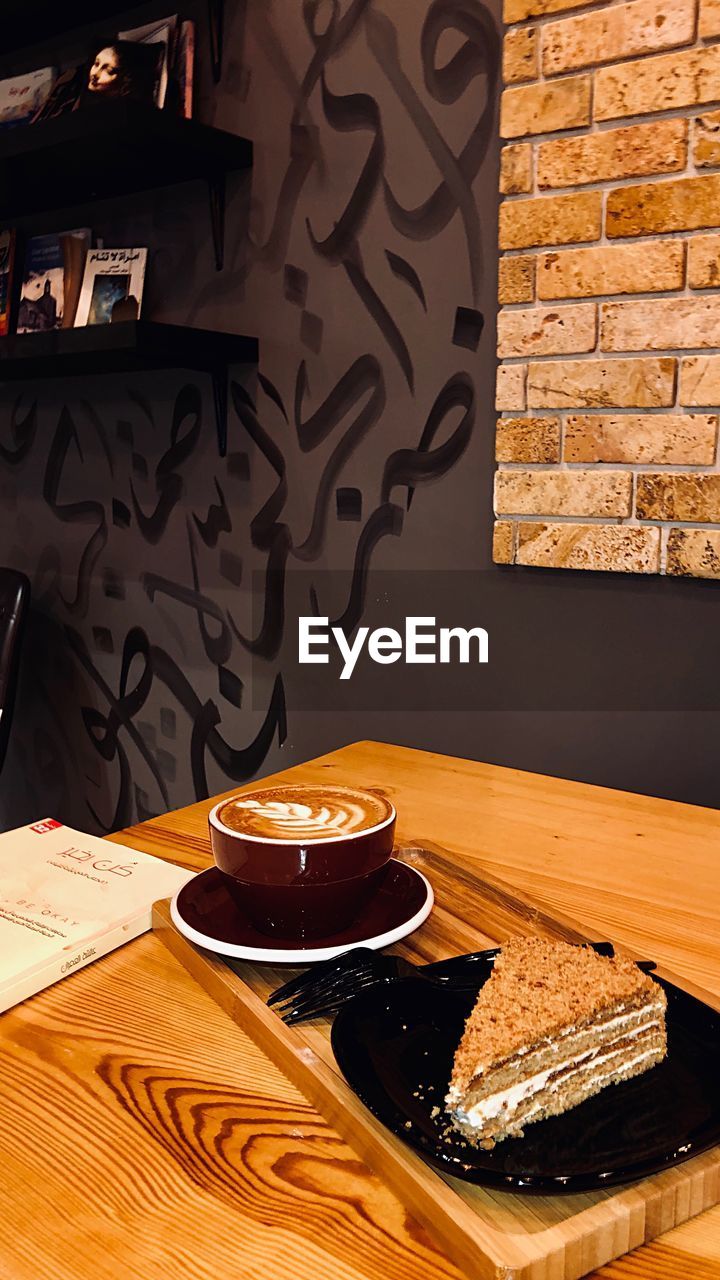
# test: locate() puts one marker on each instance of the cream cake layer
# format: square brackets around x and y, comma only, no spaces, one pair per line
[573,1042]
[556,1089]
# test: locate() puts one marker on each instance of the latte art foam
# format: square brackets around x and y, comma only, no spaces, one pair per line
[300,814]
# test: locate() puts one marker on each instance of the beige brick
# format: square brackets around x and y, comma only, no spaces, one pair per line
[616,548]
[617,31]
[563,493]
[594,384]
[700,380]
[660,324]
[631,152]
[709,25]
[704,262]
[547,331]
[671,496]
[706,140]
[516,279]
[510,386]
[657,84]
[520,55]
[684,439]
[618,268]
[516,168]
[685,204]
[694,553]
[519,10]
[503,542]
[527,440]
[543,108]
[550,220]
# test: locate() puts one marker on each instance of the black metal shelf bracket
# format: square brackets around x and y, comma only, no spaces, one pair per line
[216,197]
[220,397]
[216,24]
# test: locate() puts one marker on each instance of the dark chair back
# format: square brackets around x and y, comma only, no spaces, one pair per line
[14,601]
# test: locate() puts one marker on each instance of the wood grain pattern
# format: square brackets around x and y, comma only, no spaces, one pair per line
[489,1235]
[103,1180]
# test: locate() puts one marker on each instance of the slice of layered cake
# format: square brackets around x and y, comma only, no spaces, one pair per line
[553,1025]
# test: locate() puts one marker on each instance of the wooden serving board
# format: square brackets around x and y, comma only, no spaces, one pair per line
[492,1235]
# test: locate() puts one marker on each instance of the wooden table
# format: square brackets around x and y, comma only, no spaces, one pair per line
[144,1136]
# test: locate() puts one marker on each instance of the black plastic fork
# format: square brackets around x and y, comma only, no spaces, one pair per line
[327,986]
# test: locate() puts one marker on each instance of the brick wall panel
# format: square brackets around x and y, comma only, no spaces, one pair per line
[704,262]
[518,10]
[516,279]
[660,324]
[527,440]
[685,204]
[706,140]
[685,79]
[619,268]
[674,496]
[516,171]
[617,31]
[609,287]
[694,553]
[564,493]
[547,331]
[709,25]
[685,439]
[613,383]
[630,152]
[520,55]
[594,546]
[503,542]
[510,387]
[700,381]
[551,220]
[544,107]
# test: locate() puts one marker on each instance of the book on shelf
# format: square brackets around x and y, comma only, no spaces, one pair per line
[153,64]
[185,68]
[50,283]
[159,38]
[21,97]
[7,266]
[66,899]
[112,286]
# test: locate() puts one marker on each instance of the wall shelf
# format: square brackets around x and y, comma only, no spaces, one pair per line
[115,148]
[25,22]
[131,346]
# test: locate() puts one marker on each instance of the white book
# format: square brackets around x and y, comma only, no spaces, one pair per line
[66,899]
[162,34]
[22,96]
[112,286]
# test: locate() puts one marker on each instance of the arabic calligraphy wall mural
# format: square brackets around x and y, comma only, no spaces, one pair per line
[360,255]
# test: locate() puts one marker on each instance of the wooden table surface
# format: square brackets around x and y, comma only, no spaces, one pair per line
[145,1136]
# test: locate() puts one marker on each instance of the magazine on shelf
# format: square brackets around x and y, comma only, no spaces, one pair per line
[48,293]
[112,286]
[159,36]
[21,97]
[185,68]
[126,69]
[66,899]
[7,265]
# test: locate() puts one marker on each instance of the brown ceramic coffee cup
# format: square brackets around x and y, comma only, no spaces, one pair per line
[302,861]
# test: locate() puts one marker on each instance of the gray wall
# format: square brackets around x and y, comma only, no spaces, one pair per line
[160,663]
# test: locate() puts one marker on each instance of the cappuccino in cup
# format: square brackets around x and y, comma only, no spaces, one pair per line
[305,813]
[301,861]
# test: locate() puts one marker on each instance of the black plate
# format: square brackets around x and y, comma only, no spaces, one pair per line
[395,1046]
